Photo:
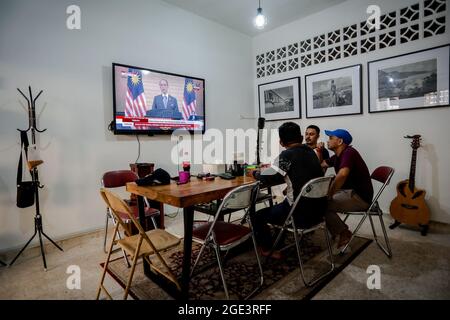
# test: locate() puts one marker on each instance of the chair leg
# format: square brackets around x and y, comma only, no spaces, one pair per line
[346,217]
[297,246]
[106,231]
[261,282]
[387,250]
[133,267]
[102,279]
[355,231]
[120,238]
[330,255]
[198,257]
[222,275]
[154,222]
[330,251]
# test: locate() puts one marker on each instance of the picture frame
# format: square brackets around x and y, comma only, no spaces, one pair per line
[336,92]
[280,100]
[416,80]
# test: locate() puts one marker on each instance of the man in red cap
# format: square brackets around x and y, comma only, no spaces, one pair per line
[352,188]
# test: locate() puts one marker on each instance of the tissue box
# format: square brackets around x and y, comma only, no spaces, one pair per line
[213,168]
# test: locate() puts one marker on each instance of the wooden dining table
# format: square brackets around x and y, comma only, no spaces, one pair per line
[184,196]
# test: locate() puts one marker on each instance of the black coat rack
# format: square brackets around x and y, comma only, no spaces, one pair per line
[35,176]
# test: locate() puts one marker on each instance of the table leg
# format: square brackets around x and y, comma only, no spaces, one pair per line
[269,190]
[188,218]
[141,207]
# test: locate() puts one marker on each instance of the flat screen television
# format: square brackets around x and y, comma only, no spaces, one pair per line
[151,102]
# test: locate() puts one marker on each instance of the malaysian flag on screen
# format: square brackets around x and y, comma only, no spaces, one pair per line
[135,105]
[189,100]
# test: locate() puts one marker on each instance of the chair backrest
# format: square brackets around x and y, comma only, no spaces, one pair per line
[117,205]
[314,189]
[381,174]
[118,178]
[239,198]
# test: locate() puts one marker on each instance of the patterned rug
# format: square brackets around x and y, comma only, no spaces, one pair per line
[281,277]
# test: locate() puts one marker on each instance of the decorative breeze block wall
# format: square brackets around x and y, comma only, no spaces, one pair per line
[418,21]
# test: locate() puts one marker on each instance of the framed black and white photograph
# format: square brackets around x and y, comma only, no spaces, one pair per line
[412,81]
[333,93]
[280,100]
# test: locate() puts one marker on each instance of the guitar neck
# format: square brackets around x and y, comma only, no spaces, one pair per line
[412,170]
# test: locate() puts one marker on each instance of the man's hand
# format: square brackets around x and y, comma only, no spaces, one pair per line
[320,146]
[339,181]
[254,173]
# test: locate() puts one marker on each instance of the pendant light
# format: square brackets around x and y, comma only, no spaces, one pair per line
[260,19]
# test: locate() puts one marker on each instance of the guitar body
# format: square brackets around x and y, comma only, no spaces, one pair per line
[409,206]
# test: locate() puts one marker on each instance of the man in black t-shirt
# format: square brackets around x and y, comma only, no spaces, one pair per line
[295,166]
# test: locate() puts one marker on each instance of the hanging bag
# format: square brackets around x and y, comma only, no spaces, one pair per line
[25,189]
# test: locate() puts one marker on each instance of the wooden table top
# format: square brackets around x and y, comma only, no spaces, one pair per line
[185,195]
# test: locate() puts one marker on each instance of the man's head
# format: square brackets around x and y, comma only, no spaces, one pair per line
[338,139]
[164,86]
[312,134]
[289,133]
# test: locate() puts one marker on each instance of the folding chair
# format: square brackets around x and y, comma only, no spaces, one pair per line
[210,208]
[314,189]
[223,236]
[116,179]
[142,245]
[383,175]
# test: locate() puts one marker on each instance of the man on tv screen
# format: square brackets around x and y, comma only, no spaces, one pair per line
[164,105]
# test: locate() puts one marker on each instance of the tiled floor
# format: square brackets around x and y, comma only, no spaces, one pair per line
[420,268]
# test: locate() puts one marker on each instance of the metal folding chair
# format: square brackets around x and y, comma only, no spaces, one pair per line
[383,175]
[316,189]
[223,236]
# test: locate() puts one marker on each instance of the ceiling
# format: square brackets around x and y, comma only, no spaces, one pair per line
[239,14]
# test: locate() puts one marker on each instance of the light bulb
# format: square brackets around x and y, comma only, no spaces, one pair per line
[260,20]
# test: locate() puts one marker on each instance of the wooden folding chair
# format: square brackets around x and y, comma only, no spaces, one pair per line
[141,245]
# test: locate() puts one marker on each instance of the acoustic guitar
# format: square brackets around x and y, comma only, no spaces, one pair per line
[409,206]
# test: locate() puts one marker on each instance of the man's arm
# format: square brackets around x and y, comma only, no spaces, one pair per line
[154,103]
[339,181]
[269,177]
[324,164]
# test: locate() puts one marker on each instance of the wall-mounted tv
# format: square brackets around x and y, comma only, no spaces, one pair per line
[147,101]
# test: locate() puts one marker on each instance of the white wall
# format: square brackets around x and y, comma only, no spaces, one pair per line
[378,137]
[74,70]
